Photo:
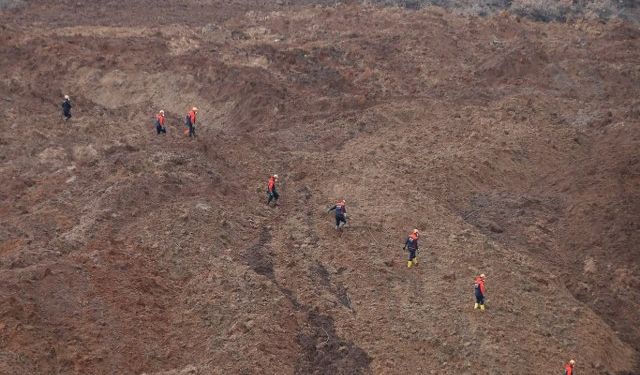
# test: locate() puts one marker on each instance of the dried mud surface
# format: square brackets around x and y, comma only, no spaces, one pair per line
[512,144]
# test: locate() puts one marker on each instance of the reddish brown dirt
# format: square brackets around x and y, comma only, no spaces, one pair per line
[512,145]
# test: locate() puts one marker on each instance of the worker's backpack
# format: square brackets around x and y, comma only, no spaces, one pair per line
[187,120]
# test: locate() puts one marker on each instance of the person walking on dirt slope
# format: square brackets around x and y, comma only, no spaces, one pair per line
[272,193]
[341,213]
[568,368]
[411,244]
[480,291]
[66,108]
[160,123]
[190,121]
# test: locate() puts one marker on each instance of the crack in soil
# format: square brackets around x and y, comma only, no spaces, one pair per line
[323,351]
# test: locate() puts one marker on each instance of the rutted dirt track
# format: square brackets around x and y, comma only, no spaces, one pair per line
[512,144]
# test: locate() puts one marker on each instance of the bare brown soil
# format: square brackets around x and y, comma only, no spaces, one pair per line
[512,144]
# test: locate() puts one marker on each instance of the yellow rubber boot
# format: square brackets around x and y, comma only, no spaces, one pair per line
[409,264]
[476,306]
[481,307]
[415,261]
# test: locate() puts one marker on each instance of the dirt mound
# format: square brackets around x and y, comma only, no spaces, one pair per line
[511,144]
[538,10]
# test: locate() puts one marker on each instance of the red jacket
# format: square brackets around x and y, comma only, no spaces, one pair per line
[160,119]
[480,284]
[568,369]
[272,183]
[192,117]
[412,242]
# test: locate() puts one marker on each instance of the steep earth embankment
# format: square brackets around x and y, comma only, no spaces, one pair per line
[511,144]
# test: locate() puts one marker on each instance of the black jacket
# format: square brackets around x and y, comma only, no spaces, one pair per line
[66,106]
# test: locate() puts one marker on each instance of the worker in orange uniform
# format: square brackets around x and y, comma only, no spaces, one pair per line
[272,192]
[480,291]
[568,368]
[411,244]
[160,123]
[190,121]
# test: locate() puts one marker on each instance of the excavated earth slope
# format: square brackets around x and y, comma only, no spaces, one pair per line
[512,144]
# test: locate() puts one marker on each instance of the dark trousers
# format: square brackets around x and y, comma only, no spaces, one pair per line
[66,114]
[273,195]
[479,298]
[412,253]
[160,129]
[192,130]
[340,219]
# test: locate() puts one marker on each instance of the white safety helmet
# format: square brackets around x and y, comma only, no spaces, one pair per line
[162,112]
[275,176]
[66,97]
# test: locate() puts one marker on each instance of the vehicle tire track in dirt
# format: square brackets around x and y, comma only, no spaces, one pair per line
[326,353]
[318,271]
[259,258]
[323,351]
